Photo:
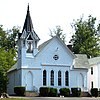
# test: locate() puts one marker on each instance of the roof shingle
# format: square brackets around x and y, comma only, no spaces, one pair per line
[81,61]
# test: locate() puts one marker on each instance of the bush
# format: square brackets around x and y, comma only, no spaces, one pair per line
[65,92]
[53,92]
[76,92]
[44,91]
[99,93]
[47,91]
[94,92]
[19,90]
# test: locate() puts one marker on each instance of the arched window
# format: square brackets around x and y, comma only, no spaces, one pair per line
[29,46]
[52,77]
[66,78]
[44,77]
[59,78]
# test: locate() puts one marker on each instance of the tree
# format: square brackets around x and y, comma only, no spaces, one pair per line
[6,61]
[58,32]
[7,54]
[86,38]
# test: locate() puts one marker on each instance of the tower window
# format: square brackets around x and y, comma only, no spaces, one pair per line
[30,37]
[29,47]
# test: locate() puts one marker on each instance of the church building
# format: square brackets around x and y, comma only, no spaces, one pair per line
[51,64]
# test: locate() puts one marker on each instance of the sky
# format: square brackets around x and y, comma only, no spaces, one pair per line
[47,14]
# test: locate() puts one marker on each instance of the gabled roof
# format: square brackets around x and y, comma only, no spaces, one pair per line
[14,67]
[81,61]
[48,41]
[40,47]
[93,61]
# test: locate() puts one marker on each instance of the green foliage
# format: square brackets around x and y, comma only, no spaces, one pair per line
[94,92]
[13,99]
[47,91]
[44,91]
[7,54]
[6,61]
[53,92]
[76,92]
[58,32]
[86,37]
[3,81]
[65,92]
[19,90]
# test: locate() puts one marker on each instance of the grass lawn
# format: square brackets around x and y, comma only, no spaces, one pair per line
[13,99]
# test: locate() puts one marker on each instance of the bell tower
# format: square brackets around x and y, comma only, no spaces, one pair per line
[27,40]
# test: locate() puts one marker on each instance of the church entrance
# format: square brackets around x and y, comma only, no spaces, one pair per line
[29,81]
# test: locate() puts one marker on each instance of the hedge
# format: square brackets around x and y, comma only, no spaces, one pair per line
[94,92]
[76,92]
[53,92]
[44,91]
[47,91]
[19,90]
[65,92]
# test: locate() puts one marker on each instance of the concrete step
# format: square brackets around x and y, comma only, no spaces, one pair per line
[31,94]
[85,94]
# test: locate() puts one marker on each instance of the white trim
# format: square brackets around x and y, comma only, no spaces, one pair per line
[31,68]
[57,65]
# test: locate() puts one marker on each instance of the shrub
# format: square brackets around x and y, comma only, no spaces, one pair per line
[76,92]
[99,93]
[47,91]
[65,91]
[94,92]
[44,91]
[53,92]
[19,90]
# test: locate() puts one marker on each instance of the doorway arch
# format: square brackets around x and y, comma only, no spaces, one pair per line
[81,81]
[29,81]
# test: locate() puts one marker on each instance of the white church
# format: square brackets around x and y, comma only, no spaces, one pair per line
[52,64]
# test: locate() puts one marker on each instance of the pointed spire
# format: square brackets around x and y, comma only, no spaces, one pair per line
[28,7]
[28,26]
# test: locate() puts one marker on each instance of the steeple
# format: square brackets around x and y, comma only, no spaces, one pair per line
[28,39]
[28,26]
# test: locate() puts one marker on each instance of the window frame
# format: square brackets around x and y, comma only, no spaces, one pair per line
[44,77]
[59,78]
[66,78]
[55,57]
[52,78]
